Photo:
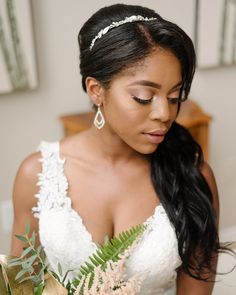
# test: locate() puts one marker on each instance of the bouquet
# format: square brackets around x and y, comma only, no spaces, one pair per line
[104,274]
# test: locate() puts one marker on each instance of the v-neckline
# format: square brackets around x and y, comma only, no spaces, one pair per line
[89,234]
[78,216]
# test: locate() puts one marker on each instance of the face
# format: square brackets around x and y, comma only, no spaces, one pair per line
[141,103]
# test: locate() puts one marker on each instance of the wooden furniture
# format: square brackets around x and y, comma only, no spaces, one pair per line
[197,122]
[191,116]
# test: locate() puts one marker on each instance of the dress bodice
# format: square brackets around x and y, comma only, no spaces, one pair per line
[66,240]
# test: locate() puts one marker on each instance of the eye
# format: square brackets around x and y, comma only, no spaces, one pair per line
[143,101]
[174,100]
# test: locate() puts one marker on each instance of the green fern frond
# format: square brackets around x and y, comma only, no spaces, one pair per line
[110,250]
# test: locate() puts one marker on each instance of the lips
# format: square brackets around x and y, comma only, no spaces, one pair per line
[158,132]
[155,136]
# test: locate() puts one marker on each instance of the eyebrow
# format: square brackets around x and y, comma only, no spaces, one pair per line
[152,84]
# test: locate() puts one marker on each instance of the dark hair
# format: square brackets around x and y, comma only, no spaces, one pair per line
[175,165]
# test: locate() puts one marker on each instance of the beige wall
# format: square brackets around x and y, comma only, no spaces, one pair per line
[27,118]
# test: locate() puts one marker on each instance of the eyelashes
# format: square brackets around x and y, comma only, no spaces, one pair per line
[148,101]
[175,100]
[143,101]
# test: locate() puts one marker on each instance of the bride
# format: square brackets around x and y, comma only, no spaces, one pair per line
[134,165]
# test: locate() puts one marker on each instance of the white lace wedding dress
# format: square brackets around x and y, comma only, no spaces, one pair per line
[66,240]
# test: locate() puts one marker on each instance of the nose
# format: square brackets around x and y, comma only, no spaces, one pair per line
[160,109]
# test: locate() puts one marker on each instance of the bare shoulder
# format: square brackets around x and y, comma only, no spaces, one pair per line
[26,178]
[24,190]
[30,164]
[207,171]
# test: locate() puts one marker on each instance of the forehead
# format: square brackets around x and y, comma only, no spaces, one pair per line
[160,66]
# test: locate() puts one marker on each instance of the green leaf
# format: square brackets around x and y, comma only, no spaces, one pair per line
[32,239]
[110,250]
[59,269]
[3,283]
[55,275]
[36,280]
[27,228]
[22,238]
[39,289]
[90,266]
[94,261]
[14,263]
[66,274]
[42,270]
[26,251]
[43,255]
[21,273]
[26,279]
[14,259]
[32,258]
[84,269]
[106,239]
[39,249]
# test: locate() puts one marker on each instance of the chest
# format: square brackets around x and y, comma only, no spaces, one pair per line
[110,201]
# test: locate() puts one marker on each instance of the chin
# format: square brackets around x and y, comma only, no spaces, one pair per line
[148,149]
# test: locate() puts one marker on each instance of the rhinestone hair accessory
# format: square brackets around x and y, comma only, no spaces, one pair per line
[129,19]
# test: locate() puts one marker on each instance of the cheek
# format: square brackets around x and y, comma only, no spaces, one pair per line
[125,123]
[122,115]
[173,112]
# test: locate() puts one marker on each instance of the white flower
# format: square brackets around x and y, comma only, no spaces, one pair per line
[112,281]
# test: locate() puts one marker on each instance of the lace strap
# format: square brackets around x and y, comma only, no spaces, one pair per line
[52,182]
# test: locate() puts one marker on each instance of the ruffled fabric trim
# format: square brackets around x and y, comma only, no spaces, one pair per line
[52,182]
[53,186]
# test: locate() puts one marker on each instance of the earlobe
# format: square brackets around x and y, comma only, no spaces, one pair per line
[94,90]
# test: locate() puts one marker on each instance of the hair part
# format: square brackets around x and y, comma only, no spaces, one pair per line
[128,44]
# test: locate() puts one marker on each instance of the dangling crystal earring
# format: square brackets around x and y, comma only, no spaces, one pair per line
[99,120]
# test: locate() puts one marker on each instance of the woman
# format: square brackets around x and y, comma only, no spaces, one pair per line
[135,165]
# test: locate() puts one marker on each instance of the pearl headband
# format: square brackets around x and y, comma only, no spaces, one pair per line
[130,19]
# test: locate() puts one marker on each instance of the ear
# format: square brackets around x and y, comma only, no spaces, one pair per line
[94,90]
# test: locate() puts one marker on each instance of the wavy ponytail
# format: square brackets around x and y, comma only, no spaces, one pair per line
[187,199]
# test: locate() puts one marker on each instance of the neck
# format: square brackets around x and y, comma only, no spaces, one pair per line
[109,146]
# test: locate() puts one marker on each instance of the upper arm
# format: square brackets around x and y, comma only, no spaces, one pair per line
[210,178]
[24,191]
[185,283]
